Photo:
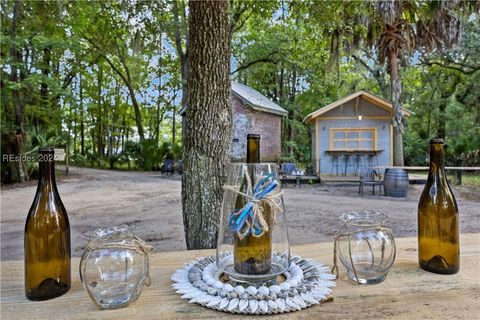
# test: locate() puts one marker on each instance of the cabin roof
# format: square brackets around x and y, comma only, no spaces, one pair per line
[254,99]
[382,103]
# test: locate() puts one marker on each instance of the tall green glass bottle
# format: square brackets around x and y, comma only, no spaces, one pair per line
[47,237]
[438,238]
[252,255]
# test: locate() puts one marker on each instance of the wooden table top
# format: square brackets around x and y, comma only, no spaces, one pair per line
[407,293]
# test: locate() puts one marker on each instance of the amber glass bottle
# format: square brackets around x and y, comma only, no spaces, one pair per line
[47,237]
[252,255]
[438,241]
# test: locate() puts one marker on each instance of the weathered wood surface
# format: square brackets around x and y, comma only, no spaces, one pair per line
[407,293]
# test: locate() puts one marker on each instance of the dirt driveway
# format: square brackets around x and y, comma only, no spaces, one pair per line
[100,198]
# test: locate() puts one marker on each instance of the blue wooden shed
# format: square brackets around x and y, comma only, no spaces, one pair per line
[351,133]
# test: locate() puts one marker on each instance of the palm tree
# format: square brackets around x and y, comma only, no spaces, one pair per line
[398,28]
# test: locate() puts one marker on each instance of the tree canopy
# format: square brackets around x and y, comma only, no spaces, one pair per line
[107,79]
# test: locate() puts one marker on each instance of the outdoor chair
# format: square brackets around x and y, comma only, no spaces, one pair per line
[179,168]
[286,170]
[167,166]
[367,178]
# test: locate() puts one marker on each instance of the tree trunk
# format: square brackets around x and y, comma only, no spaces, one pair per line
[174,125]
[157,115]
[47,55]
[82,125]
[397,119]
[137,113]
[208,122]
[448,90]
[183,56]
[17,171]
[100,110]
[127,80]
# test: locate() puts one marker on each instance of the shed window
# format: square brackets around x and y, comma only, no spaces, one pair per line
[353,139]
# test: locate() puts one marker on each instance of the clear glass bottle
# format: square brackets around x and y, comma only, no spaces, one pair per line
[438,236]
[47,237]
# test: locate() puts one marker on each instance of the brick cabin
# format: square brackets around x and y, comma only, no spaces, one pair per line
[252,112]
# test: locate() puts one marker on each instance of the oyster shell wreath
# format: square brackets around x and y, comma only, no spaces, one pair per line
[306,283]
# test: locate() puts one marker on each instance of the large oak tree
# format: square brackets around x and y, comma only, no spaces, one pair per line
[207,131]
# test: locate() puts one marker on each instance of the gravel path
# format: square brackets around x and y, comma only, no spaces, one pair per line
[100,198]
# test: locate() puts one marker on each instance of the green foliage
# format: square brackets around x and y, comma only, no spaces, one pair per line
[92,74]
[147,155]
[415,149]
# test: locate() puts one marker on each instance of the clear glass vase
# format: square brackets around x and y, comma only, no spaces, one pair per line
[365,246]
[114,267]
[253,244]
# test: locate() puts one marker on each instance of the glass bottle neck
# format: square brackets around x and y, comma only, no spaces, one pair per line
[46,175]
[253,150]
[437,159]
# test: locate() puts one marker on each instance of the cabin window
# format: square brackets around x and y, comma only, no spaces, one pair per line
[353,139]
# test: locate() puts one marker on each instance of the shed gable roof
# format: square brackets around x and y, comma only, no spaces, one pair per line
[382,103]
[256,100]
[253,99]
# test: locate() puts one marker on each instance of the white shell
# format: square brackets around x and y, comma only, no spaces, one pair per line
[285,286]
[224,303]
[253,305]
[289,302]
[327,276]
[263,306]
[233,304]
[205,299]
[214,301]
[239,290]
[272,304]
[263,290]
[275,289]
[242,305]
[298,300]
[280,304]
[307,297]
[251,290]
[203,287]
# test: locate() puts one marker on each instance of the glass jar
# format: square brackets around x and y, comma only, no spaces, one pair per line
[114,267]
[365,246]
[253,244]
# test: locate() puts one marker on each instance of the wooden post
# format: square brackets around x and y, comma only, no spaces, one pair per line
[66,160]
[458,173]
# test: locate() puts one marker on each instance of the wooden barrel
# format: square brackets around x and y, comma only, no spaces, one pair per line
[396,182]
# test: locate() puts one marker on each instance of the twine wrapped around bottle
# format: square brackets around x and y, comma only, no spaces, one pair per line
[251,220]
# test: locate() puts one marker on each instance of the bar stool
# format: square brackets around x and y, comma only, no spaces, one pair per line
[359,161]
[372,158]
[335,162]
[348,163]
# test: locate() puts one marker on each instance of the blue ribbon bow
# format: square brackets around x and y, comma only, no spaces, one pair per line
[246,216]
